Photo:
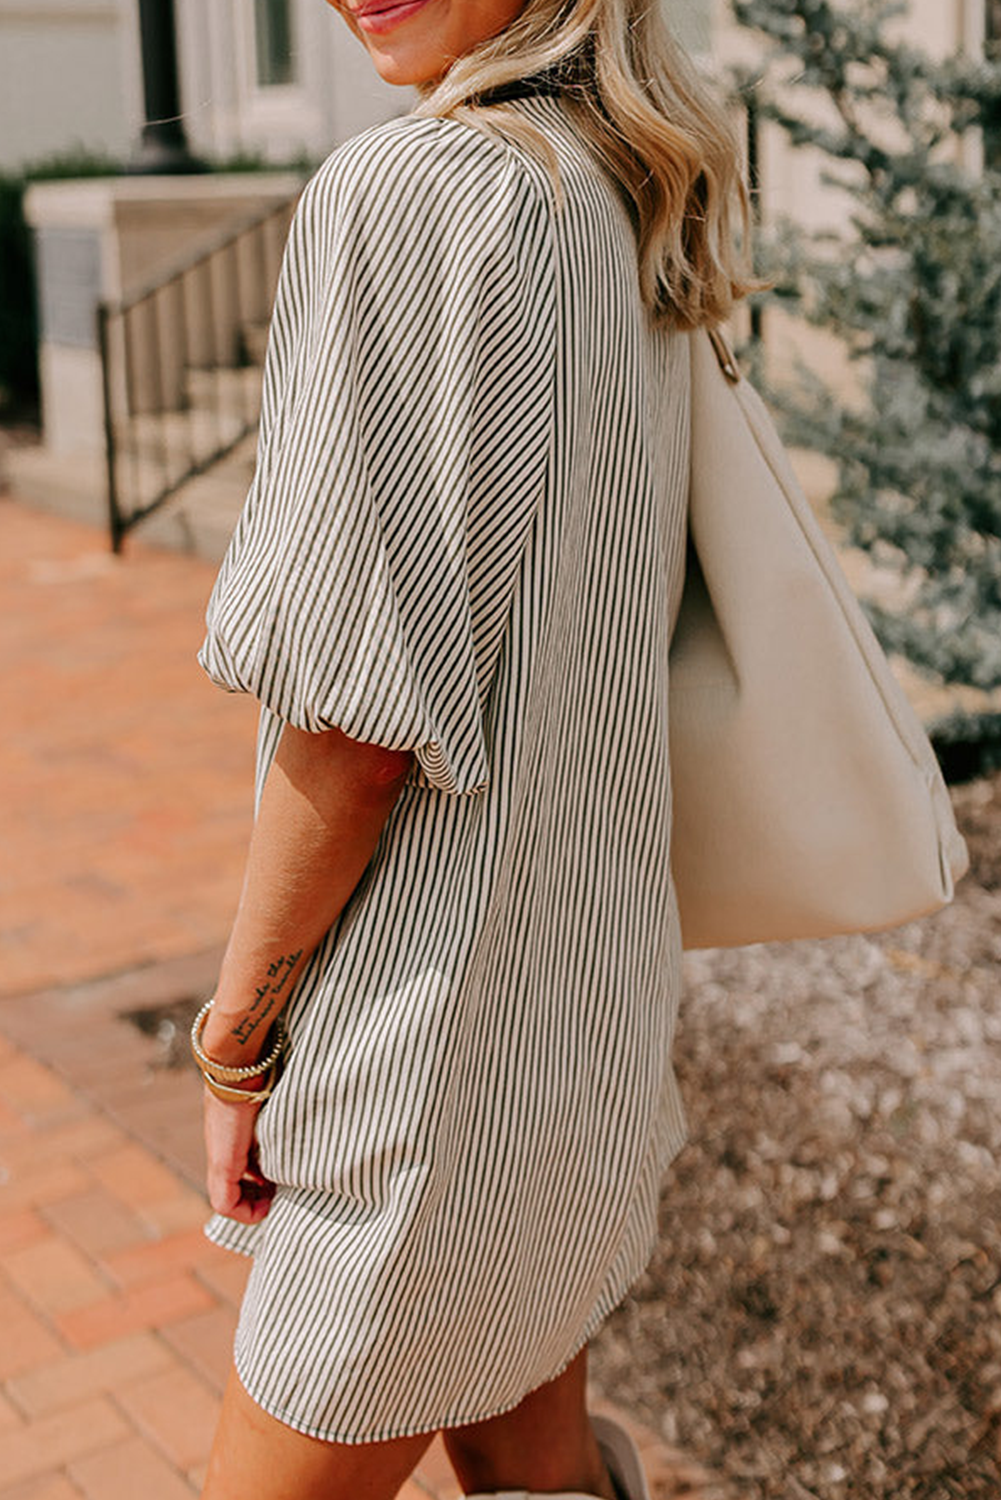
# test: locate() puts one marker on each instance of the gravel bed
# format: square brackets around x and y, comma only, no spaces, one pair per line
[822,1319]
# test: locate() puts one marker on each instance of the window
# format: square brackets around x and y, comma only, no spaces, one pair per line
[273,43]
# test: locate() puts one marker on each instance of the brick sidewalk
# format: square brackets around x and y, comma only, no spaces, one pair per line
[117,1314]
[126,775]
[126,787]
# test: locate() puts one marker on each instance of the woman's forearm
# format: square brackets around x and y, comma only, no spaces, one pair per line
[323,807]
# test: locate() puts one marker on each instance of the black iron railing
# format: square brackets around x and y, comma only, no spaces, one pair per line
[181,364]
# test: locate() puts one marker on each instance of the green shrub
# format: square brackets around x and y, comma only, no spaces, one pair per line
[18,331]
[910,282]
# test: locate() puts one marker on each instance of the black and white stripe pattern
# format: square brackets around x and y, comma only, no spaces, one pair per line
[466,537]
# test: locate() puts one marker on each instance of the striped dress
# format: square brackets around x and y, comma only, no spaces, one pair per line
[466,537]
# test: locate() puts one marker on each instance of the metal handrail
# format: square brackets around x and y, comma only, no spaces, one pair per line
[195,323]
[188,262]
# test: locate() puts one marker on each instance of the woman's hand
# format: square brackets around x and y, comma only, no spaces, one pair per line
[236,1186]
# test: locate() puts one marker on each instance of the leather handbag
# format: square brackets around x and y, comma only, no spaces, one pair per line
[807,797]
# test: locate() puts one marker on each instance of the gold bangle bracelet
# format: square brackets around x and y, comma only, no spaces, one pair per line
[221,1072]
[239,1096]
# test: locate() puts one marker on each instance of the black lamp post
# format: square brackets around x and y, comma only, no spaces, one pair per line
[163,145]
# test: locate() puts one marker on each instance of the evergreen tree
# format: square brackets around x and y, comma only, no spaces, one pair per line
[912,284]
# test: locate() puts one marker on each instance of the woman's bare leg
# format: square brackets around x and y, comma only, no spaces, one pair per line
[255,1455]
[545,1444]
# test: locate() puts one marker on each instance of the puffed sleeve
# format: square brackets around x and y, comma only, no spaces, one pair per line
[405,441]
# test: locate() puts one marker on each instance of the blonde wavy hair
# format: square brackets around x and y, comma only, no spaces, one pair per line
[649,119]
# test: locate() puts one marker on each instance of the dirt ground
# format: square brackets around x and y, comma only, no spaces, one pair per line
[822,1319]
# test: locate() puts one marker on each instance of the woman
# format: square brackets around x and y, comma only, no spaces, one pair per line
[452,589]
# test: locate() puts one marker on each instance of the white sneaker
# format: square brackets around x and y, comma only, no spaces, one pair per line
[621,1458]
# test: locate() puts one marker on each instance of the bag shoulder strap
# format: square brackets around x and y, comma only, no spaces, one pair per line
[724,354]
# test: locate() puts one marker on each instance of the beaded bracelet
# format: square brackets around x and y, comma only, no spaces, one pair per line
[220,1072]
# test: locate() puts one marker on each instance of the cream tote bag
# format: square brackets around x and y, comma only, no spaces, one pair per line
[807,798]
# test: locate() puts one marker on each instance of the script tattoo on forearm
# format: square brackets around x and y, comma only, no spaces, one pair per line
[267,995]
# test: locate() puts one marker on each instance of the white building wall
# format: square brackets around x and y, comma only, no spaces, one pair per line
[61,79]
[70,76]
[336,92]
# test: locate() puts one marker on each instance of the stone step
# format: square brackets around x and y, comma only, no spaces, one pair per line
[228,390]
[179,440]
[198,520]
[74,485]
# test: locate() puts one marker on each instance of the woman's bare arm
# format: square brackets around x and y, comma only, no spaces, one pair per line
[324,805]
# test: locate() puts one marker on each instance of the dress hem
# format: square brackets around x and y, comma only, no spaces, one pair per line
[604,1307]
[421,1429]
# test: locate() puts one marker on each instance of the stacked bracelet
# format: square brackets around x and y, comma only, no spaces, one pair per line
[240,1096]
[219,1076]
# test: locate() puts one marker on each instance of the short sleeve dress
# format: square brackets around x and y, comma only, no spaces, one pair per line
[466,537]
